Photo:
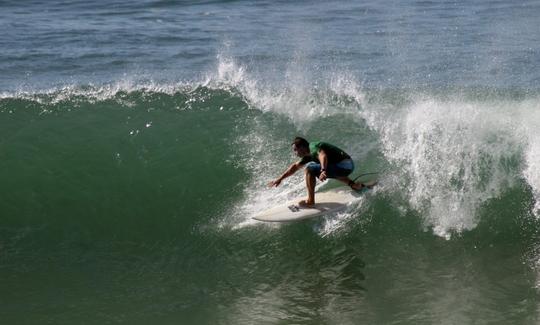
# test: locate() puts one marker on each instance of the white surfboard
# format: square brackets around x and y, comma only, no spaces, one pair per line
[327,202]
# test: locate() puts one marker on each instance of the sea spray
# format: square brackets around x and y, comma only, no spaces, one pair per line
[450,154]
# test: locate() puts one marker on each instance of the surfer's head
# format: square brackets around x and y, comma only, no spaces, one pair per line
[300,147]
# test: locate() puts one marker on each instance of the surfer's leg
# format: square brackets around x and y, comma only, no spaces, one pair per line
[342,170]
[310,184]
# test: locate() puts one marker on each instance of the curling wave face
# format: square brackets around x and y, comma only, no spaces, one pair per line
[446,155]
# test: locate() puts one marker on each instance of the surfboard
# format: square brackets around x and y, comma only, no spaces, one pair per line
[331,201]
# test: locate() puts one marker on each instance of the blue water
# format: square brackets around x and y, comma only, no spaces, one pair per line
[137,139]
[389,43]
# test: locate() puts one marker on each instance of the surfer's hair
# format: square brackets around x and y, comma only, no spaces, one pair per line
[300,142]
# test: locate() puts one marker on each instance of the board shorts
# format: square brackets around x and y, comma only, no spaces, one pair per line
[340,169]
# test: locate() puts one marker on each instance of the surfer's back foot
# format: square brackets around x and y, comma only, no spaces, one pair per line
[359,186]
[356,186]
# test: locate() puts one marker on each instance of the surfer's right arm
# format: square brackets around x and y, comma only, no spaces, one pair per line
[290,171]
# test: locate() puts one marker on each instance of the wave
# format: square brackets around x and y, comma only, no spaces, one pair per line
[448,153]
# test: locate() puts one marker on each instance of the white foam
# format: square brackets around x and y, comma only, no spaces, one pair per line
[296,96]
[95,93]
[450,153]
[529,129]
[453,153]
[334,225]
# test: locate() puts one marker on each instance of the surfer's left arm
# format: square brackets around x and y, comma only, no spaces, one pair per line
[290,171]
[323,158]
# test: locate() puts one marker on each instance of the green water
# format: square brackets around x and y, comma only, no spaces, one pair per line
[136,209]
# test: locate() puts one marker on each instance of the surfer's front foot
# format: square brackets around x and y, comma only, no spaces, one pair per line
[306,203]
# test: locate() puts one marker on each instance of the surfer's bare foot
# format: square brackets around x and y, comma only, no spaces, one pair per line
[306,203]
[359,186]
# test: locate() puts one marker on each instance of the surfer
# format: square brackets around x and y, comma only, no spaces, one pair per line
[322,160]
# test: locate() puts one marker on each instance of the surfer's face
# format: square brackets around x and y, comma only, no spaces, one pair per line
[300,151]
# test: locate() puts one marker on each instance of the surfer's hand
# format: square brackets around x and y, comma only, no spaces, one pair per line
[323,176]
[274,183]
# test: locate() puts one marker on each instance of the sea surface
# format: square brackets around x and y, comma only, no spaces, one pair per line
[137,139]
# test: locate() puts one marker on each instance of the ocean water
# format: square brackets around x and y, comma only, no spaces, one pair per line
[137,139]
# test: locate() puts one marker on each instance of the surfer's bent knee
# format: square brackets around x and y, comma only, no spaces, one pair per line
[312,168]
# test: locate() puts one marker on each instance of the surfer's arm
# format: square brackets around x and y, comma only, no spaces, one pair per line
[290,171]
[323,158]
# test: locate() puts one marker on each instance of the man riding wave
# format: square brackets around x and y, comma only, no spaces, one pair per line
[322,160]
